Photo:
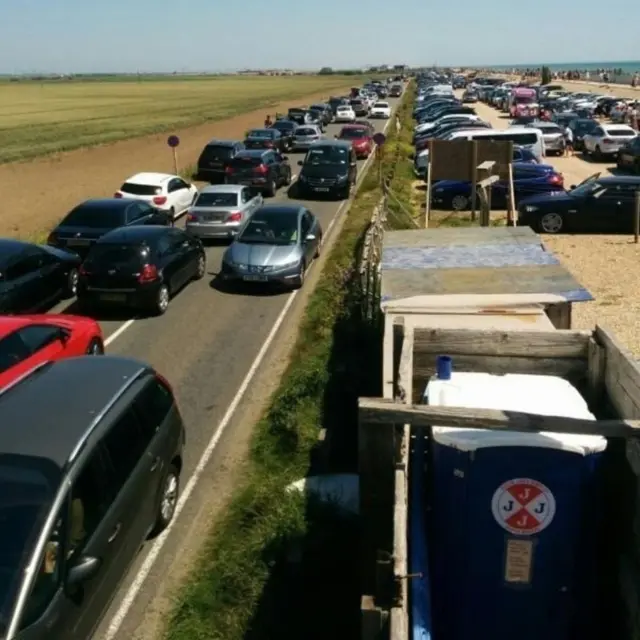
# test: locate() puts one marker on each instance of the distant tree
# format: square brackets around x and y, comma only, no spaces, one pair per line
[325,71]
[545,76]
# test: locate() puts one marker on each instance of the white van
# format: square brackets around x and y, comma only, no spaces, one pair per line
[528,138]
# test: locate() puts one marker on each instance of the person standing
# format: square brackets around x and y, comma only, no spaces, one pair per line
[568,141]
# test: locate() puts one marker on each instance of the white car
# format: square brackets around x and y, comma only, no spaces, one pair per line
[608,139]
[164,191]
[344,113]
[380,110]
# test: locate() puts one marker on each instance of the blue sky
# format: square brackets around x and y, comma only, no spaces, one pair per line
[198,35]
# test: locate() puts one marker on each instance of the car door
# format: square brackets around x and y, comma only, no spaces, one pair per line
[251,201]
[308,247]
[601,209]
[178,257]
[138,214]
[25,289]
[623,210]
[52,279]
[42,342]
[180,192]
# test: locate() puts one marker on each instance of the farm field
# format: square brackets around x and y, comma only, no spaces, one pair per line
[39,119]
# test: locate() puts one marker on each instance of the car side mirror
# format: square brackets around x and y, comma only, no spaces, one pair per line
[310,237]
[300,163]
[86,568]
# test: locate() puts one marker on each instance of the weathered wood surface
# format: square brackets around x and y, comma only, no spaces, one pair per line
[405,367]
[376,411]
[400,554]
[478,342]
[398,624]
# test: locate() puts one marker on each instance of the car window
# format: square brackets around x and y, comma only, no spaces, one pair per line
[25,264]
[136,189]
[245,196]
[137,212]
[125,445]
[175,185]
[305,224]
[163,246]
[176,237]
[36,337]
[152,406]
[12,351]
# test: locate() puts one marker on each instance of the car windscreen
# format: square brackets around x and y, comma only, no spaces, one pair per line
[616,133]
[305,131]
[351,134]
[327,155]
[140,189]
[586,188]
[276,227]
[265,134]
[117,255]
[216,152]
[217,199]
[26,496]
[381,105]
[94,217]
[547,129]
[284,125]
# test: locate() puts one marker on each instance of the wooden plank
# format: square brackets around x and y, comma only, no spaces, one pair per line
[596,367]
[388,344]
[400,555]
[372,619]
[398,624]
[532,344]
[405,367]
[570,368]
[377,411]
[487,182]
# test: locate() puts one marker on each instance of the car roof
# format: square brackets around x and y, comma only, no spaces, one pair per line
[620,180]
[222,188]
[108,203]
[252,153]
[48,412]
[133,234]
[222,143]
[269,129]
[150,178]
[10,247]
[280,208]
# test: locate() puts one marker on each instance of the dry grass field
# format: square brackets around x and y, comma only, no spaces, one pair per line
[42,118]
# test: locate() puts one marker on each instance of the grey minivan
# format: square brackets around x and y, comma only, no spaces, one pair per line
[90,459]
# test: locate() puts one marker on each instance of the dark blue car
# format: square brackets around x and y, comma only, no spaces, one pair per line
[528,179]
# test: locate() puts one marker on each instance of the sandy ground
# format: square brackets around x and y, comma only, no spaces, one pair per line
[606,265]
[36,194]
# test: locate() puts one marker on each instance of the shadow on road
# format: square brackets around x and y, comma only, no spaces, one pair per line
[257,290]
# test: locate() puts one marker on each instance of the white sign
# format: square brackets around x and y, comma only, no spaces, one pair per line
[523,506]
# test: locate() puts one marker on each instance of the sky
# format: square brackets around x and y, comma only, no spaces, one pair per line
[67,36]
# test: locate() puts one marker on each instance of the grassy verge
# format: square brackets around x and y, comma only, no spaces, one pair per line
[279,566]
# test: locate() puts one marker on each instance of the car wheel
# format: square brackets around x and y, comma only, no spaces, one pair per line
[316,255]
[201,267]
[273,188]
[162,300]
[170,492]
[71,287]
[95,348]
[598,153]
[460,203]
[551,223]
[287,178]
[299,280]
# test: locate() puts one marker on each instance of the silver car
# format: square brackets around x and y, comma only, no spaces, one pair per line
[221,209]
[552,134]
[275,246]
[304,136]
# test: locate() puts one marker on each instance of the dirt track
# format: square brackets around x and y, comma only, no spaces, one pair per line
[36,194]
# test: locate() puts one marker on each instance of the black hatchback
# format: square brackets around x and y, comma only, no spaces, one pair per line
[264,170]
[140,267]
[87,222]
[265,139]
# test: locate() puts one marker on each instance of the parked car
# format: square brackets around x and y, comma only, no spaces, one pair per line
[528,179]
[34,277]
[469,96]
[163,191]
[315,117]
[265,139]
[214,158]
[220,210]
[89,221]
[360,107]
[360,138]
[365,124]
[90,457]
[337,101]
[580,128]
[286,129]
[140,267]
[276,246]
[305,135]
[395,91]
[29,341]
[325,110]
[344,113]
[599,204]
[329,168]
[553,136]
[380,110]
[607,139]
[263,170]
[629,156]
[298,115]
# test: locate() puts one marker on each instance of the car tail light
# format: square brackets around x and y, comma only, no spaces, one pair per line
[117,194]
[191,217]
[556,178]
[159,199]
[234,216]
[149,273]
[262,169]
[607,140]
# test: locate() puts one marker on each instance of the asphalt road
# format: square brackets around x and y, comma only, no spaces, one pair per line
[205,345]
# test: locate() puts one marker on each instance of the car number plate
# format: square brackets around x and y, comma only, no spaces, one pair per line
[321,188]
[213,217]
[254,278]
[78,243]
[113,297]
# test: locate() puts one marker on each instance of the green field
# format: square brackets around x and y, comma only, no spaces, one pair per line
[42,118]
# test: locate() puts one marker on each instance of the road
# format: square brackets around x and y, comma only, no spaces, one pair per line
[205,345]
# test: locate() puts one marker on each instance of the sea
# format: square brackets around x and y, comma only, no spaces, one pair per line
[627,67]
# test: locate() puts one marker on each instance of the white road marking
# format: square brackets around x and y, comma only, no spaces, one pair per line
[156,548]
[118,332]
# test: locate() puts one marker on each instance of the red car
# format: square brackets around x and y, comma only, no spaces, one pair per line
[360,138]
[30,340]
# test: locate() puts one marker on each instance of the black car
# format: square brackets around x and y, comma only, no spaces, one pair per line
[33,277]
[596,205]
[91,451]
[87,222]
[581,127]
[265,139]
[329,168]
[395,91]
[563,119]
[381,91]
[286,129]
[360,107]
[325,111]
[297,115]
[335,102]
[265,171]
[214,158]
[140,267]
[629,156]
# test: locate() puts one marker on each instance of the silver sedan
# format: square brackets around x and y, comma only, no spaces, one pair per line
[304,136]
[220,210]
[276,246]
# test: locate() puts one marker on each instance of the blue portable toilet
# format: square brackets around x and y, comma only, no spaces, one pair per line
[513,515]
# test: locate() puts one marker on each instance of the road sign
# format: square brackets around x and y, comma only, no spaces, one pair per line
[523,506]
[173,141]
[379,139]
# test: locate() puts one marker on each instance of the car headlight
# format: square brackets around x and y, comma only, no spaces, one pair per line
[342,178]
[238,265]
[530,208]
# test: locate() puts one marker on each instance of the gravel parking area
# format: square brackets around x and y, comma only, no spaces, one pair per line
[606,265]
